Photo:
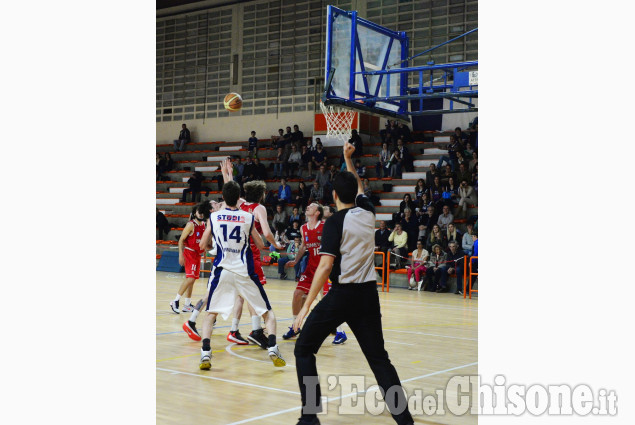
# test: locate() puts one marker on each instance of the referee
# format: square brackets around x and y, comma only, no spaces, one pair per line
[348,244]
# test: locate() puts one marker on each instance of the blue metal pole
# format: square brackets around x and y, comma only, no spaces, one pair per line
[351,94]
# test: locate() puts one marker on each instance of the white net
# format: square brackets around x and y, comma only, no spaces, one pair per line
[338,121]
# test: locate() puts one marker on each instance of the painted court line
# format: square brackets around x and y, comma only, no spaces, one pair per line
[246,384]
[280,412]
[427,334]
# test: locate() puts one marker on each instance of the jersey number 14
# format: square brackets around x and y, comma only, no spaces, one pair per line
[234,234]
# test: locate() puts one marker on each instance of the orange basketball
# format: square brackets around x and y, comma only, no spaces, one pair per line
[233,102]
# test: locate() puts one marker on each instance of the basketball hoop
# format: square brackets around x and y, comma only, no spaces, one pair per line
[338,121]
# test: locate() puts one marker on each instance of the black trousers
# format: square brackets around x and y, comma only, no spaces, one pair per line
[357,305]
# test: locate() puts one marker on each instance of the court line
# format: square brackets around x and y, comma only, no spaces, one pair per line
[229,381]
[427,334]
[328,400]
[229,350]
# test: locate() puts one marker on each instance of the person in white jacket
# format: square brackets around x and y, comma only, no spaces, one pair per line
[467,197]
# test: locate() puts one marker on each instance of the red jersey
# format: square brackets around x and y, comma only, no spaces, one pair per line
[312,242]
[250,207]
[193,240]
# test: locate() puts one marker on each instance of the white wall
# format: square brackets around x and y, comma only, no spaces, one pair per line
[236,127]
[451,121]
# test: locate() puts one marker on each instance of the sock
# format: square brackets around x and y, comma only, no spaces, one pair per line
[234,327]
[255,323]
[178,297]
[272,340]
[194,316]
[206,346]
[340,328]
[187,302]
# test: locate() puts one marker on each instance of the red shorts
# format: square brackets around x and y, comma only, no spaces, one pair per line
[258,269]
[192,263]
[327,286]
[304,284]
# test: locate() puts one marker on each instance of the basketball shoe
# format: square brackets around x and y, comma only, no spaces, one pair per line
[276,357]
[309,421]
[206,360]
[291,333]
[174,305]
[188,308]
[340,338]
[258,337]
[235,336]
[190,329]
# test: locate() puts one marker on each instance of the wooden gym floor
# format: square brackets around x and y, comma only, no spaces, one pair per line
[430,338]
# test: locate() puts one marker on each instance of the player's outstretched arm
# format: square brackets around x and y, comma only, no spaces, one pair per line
[348,152]
[206,238]
[321,274]
[187,231]
[261,214]
[257,239]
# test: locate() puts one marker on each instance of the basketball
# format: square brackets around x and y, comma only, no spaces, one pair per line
[233,102]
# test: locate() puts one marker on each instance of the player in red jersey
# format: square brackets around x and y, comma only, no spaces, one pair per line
[190,254]
[311,240]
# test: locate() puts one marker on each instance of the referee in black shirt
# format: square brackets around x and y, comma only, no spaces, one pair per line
[348,244]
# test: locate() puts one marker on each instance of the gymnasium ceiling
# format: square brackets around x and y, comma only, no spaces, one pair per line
[170,7]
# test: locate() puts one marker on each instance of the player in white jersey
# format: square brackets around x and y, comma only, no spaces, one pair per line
[234,272]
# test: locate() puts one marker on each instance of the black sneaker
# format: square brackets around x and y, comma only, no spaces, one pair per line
[283,276]
[174,305]
[308,421]
[258,337]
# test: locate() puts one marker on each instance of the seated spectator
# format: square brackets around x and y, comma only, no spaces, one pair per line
[445,218]
[467,196]
[394,133]
[395,164]
[309,144]
[333,171]
[294,162]
[292,250]
[399,238]
[316,194]
[284,192]
[249,171]
[286,140]
[163,226]
[468,240]
[461,159]
[356,141]
[473,162]
[450,194]
[423,204]
[404,133]
[385,134]
[431,174]
[318,156]
[382,169]
[417,268]
[447,173]
[455,265]
[437,271]
[252,147]
[452,234]
[369,192]
[260,171]
[435,237]
[436,191]
[293,231]
[279,163]
[323,178]
[184,137]
[469,151]
[382,235]
[297,137]
[461,136]
[406,159]
[276,140]
[464,174]
[452,148]
[196,187]
[410,225]
[361,170]
[426,221]
[307,161]
[420,189]
[295,216]
[407,203]
[280,216]
[280,236]
[303,195]
[238,169]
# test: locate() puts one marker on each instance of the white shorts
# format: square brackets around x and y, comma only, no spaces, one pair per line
[225,286]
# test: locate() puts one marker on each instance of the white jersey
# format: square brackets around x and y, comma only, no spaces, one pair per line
[231,230]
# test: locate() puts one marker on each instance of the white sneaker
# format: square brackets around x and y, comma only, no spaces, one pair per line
[412,283]
[188,308]
[206,360]
[276,357]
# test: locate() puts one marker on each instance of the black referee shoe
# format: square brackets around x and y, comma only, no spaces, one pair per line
[258,337]
[309,421]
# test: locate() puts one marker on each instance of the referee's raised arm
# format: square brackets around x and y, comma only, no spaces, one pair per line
[348,152]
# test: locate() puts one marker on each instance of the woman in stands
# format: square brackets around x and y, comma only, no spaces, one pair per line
[395,164]
[436,238]
[418,268]
[453,235]
[468,239]
[420,189]
[302,197]
[450,194]
[467,196]
[407,203]
[382,169]
[435,194]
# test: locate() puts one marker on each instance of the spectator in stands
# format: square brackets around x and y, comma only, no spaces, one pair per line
[437,269]
[431,174]
[417,268]
[381,237]
[303,195]
[445,218]
[455,264]
[461,136]
[276,141]
[333,171]
[467,196]
[316,194]
[468,239]
[294,162]
[163,226]
[369,192]
[238,169]
[475,179]
[435,193]
[474,133]
[279,163]
[394,133]
[426,221]
[281,216]
[452,234]
[464,174]
[385,133]
[249,171]
[356,141]
[293,230]
[260,171]
[361,170]
[460,159]
[318,156]
[420,189]
[307,161]
[395,164]
[452,148]
[292,250]
[196,186]
[423,204]
[406,203]
[404,133]
[410,225]
[382,169]
[399,238]
[297,137]
[295,216]
[286,140]
[309,144]
[160,161]
[323,178]
[406,158]
[468,153]
[284,192]
[450,195]
[436,237]
[252,147]
[280,236]
[474,161]
[184,137]
[447,173]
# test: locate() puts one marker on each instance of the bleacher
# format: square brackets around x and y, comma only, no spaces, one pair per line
[206,156]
